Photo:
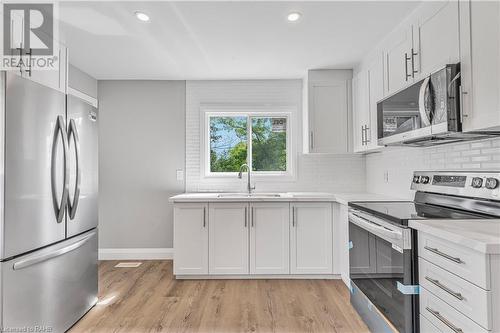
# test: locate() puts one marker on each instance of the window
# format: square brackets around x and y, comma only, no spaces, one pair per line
[259,140]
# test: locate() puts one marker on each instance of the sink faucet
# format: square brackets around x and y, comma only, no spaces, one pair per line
[240,175]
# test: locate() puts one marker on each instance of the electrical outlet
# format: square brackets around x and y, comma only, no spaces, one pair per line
[386,176]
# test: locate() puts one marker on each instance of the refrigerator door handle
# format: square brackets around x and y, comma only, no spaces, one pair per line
[73,132]
[35,259]
[60,129]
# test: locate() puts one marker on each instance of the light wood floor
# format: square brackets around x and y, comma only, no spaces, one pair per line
[149,299]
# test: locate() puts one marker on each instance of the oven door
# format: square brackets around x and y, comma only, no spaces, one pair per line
[381,261]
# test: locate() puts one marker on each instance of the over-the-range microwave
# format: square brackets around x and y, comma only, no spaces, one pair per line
[425,113]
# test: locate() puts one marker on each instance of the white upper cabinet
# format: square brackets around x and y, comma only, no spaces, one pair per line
[329,103]
[311,238]
[367,90]
[270,238]
[398,56]
[191,239]
[480,65]
[228,238]
[360,109]
[436,37]
[55,79]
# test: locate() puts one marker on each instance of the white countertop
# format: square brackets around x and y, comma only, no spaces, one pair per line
[479,235]
[342,198]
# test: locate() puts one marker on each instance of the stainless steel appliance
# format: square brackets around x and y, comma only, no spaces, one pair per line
[383,263]
[48,188]
[426,113]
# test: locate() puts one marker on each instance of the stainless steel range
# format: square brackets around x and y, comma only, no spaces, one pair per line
[383,259]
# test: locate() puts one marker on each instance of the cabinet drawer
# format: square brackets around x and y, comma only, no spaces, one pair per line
[426,326]
[444,317]
[468,264]
[464,296]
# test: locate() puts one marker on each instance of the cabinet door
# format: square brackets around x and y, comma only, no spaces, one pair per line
[311,238]
[480,64]
[228,238]
[55,79]
[362,255]
[329,117]
[360,110]
[270,238]
[397,63]
[341,242]
[436,36]
[375,71]
[190,239]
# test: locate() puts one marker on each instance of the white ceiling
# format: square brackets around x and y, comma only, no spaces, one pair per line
[222,40]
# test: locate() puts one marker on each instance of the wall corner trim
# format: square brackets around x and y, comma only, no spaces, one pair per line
[136,253]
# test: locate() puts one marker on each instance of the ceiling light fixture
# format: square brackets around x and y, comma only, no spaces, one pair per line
[142,16]
[294,16]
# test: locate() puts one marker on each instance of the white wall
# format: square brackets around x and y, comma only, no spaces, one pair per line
[401,162]
[341,173]
[141,145]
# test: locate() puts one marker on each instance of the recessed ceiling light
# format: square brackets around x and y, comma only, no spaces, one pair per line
[142,16]
[294,16]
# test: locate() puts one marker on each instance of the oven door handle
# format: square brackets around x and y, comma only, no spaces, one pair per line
[370,226]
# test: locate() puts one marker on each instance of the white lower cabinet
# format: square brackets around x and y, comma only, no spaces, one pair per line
[191,239]
[270,238]
[258,238]
[311,238]
[228,238]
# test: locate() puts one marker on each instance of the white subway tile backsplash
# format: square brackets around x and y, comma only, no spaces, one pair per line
[474,155]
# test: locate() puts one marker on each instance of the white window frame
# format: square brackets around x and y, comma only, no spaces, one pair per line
[249,112]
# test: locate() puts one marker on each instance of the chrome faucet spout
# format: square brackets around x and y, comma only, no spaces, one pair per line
[240,175]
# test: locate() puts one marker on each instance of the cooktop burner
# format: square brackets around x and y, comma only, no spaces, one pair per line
[399,212]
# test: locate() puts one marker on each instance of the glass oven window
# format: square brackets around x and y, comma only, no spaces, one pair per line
[376,267]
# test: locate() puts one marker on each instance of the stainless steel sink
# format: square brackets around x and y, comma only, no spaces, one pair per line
[247,195]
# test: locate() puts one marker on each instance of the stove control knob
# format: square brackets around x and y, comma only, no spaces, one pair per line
[491,183]
[425,179]
[416,179]
[477,182]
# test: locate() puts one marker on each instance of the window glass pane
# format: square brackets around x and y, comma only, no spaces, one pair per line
[228,143]
[269,144]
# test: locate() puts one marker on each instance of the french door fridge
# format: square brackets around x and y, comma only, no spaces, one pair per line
[48,206]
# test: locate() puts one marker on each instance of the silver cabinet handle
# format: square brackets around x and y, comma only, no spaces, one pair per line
[362,135]
[445,288]
[413,71]
[444,255]
[253,217]
[367,141]
[462,114]
[204,217]
[444,320]
[293,216]
[35,259]
[406,67]
[73,132]
[246,215]
[59,208]
[312,139]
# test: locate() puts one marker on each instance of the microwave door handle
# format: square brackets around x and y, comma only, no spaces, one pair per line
[421,102]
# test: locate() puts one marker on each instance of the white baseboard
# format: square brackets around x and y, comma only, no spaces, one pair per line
[136,254]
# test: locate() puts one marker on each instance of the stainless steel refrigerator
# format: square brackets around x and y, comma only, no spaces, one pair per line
[48,206]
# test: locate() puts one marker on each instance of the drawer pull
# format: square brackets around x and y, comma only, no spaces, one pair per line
[444,320]
[444,255]
[445,288]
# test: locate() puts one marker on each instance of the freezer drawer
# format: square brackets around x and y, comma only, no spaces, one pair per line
[50,288]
